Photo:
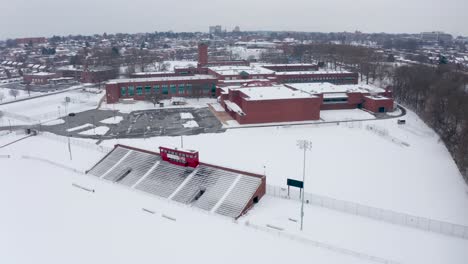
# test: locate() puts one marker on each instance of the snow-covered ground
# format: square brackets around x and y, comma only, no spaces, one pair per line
[48,108]
[244,53]
[100,130]
[112,120]
[347,161]
[5,95]
[186,116]
[45,219]
[135,105]
[190,123]
[347,114]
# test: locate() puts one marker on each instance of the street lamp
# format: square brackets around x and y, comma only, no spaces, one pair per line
[304,145]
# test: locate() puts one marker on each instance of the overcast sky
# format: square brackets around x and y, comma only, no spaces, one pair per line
[23,18]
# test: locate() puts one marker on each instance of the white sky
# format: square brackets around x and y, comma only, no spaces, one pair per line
[62,17]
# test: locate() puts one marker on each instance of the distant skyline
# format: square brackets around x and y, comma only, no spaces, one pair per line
[22,18]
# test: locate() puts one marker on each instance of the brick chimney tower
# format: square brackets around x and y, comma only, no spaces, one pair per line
[202,54]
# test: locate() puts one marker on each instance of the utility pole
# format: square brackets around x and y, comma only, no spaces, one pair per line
[304,145]
[182,142]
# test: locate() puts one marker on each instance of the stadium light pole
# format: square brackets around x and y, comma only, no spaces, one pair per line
[304,145]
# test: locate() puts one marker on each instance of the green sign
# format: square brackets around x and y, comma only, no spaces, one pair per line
[295,183]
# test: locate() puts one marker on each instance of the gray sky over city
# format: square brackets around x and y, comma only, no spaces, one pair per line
[25,18]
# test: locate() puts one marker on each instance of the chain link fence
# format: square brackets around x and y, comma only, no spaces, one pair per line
[389,216]
[77,142]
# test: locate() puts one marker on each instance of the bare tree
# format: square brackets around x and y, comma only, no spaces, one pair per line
[28,88]
[153,98]
[14,93]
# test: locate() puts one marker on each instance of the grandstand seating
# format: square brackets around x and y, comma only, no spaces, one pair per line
[165,179]
[110,160]
[206,187]
[234,203]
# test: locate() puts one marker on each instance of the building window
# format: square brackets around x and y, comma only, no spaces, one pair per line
[148,90]
[139,90]
[131,91]
[123,91]
[173,89]
[164,89]
[206,88]
[188,87]
[181,88]
[156,89]
[213,89]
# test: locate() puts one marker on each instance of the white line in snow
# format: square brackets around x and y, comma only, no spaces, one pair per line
[115,165]
[183,184]
[234,183]
[146,174]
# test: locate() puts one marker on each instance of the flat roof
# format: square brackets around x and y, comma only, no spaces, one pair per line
[325,87]
[157,79]
[154,72]
[236,70]
[273,92]
[310,72]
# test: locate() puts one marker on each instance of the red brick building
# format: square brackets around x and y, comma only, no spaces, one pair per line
[268,104]
[163,87]
[39,78]
[98,74]
[299,102]
[28,41]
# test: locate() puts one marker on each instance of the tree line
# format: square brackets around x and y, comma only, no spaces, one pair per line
[439,95]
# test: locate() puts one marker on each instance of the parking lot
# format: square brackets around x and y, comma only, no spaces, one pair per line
[105,124]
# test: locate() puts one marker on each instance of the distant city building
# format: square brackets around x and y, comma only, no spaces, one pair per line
[436,36]
[216,29]
[27,41]
[236,29]
[98,74]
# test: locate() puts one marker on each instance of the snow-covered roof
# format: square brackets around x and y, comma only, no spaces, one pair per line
[236,70]
[335,95]
[310,72]
[325,87]
[154,72]
[156,79]
[274,92]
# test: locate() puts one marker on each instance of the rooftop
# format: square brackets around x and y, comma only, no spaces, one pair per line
[320,88]
[156,79]
[274,92]
[236,70]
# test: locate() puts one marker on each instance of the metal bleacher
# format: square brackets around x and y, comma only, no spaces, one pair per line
[213,182]
[234,203]
[110,160]
[206,187]
[164,180]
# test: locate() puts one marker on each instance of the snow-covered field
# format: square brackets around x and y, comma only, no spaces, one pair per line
[46,220]
[48,108]
[5,95]
[347,162]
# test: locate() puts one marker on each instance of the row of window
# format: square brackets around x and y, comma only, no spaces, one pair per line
[173,89]
[320,79]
